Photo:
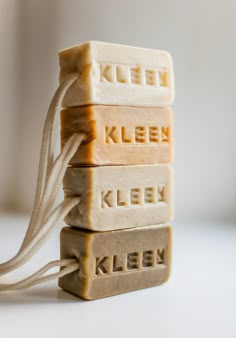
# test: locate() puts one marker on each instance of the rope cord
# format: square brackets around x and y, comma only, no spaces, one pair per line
[41,236]
[69,265]
[44,218]
[47,150]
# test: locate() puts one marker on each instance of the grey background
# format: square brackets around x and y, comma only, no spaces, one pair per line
[200,35]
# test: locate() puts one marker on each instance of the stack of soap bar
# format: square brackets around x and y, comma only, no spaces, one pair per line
[119,231]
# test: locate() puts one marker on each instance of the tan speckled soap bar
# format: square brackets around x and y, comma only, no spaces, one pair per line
[117,75]
[115,262]
[117,197]
[119,134]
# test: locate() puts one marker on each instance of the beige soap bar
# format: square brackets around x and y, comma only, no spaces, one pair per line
[117,75]
[119,134]
[118,197]
[115,262]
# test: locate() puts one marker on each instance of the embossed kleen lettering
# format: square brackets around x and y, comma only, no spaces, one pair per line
[121,75]
[136,134]
[163,76]
[100,268]
[124,136]
[110,135]
[160,193]
[140,134]
[106,199]
[106,73]
[164,134]
[147,258]
[131,75]
[120,202]
[153,134]
[137,260]
[135,196]
[160,256]
[149,195]
[116,267]
[132,260]
[132,197]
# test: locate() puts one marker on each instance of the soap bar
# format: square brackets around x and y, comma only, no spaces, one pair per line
[118,197]
[115,262]
[119,134]
[117,75]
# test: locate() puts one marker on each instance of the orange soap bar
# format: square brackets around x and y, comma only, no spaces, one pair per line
[115,262]
[119,134]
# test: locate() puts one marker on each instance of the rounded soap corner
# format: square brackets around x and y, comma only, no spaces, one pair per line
[64,51]
[169,56]
[169,260]
[168,274]
[64,230]
[87,297]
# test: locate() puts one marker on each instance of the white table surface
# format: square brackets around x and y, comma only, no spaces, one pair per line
[198,301]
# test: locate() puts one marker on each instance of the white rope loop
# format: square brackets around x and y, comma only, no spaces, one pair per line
[40,237]
[43,218]
[47,151]
[55,179]
[69,265]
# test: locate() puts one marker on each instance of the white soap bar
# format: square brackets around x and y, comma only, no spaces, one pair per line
[118,197]
[117,75]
